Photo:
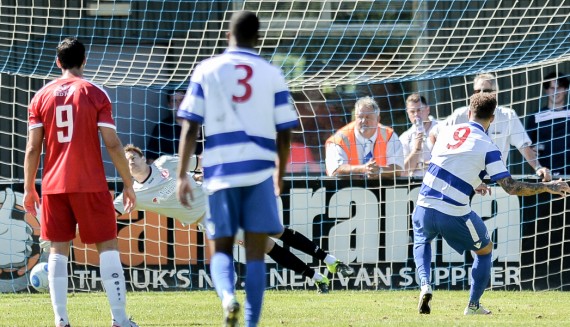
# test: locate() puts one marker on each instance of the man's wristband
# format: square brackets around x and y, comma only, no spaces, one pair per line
[538,167]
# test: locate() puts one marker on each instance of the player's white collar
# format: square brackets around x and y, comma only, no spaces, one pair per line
[242,51]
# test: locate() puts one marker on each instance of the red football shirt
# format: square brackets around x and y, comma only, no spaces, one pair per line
[70,111]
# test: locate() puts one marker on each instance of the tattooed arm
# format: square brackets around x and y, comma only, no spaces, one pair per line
[514,187]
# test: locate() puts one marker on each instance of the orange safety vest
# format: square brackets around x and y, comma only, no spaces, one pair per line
[347,140]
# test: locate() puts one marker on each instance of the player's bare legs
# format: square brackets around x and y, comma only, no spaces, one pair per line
[111,245]
[57,276]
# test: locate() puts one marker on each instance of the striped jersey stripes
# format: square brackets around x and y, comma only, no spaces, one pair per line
[242,101]
[462,156]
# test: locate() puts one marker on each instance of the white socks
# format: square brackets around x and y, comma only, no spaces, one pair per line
[112,277]
[57,277]
[113,280]
[330,259]
[318,277]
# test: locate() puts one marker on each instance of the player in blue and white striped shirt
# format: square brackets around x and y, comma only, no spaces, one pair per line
[462,156]
[243,102]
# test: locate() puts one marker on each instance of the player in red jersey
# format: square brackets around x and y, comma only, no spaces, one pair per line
[68,114]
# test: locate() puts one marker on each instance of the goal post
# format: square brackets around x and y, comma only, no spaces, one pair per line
[331,53]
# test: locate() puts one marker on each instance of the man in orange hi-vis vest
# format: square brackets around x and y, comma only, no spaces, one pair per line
[364,147]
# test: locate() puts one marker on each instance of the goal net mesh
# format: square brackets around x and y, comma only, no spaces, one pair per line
[331,53]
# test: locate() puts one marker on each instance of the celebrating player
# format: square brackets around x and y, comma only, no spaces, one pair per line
[155,184]
[70,113]
[462,155]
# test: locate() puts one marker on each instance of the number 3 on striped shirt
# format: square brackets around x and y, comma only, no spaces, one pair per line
[460,136]
[244,82]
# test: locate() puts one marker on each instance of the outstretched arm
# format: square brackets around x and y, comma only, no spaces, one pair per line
[514,187]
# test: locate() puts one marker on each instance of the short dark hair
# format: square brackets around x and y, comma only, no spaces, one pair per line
[415,98]
[172,93]
[71,53]
[244,26]
[559,77]
[483,105]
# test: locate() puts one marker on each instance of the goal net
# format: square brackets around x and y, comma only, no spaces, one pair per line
[332,53]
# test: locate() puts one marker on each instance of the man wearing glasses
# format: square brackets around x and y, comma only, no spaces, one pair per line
[415,144]
[505,130]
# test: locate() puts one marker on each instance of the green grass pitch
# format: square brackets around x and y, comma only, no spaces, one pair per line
[298,308]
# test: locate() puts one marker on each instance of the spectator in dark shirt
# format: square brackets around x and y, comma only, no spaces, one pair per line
[549,222]
[549,129]
[165,135]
